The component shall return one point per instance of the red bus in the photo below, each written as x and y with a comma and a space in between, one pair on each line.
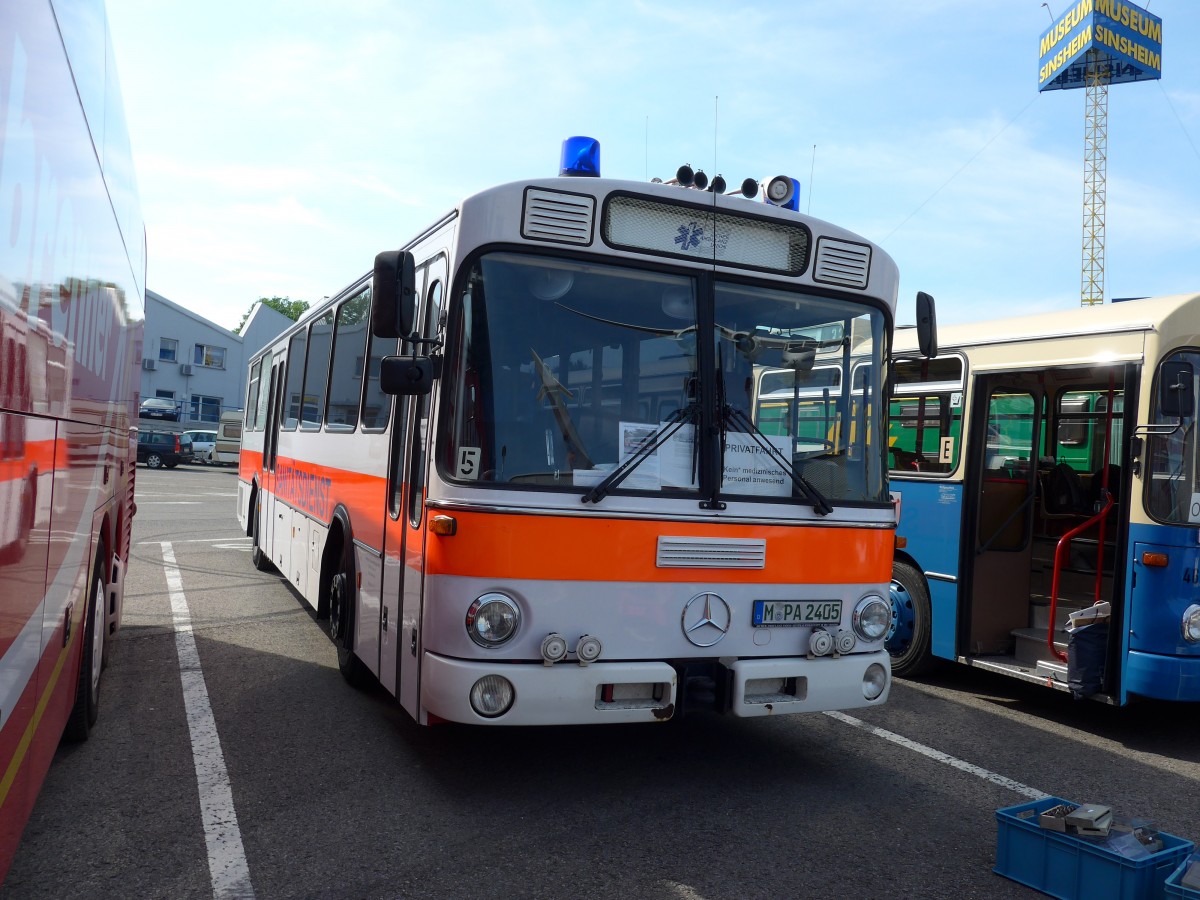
72, 288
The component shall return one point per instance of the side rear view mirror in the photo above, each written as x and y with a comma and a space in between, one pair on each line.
926, 325
406, 376
394, 295
1176, 389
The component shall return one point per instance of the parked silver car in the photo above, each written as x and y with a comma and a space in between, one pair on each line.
203, 443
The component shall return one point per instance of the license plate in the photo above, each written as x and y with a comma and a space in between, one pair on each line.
797, 612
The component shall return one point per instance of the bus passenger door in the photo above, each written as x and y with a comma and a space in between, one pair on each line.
1006, 428
267, 502
404, 543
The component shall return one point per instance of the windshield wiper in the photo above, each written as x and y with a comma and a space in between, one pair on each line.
731, 414
649, 445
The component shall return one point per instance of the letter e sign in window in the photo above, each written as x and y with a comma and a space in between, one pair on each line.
946, 454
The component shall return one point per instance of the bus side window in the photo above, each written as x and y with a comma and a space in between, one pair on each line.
294, 384
347, 366
925, 433
316, 372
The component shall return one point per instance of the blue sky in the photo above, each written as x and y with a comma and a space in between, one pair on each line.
280, 145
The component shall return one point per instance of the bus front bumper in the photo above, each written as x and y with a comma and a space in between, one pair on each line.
570, 694
1160, 677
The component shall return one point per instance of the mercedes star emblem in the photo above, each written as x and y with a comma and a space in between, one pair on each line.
706, 619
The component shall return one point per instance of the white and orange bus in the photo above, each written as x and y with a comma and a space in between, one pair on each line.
518, 469
72, 269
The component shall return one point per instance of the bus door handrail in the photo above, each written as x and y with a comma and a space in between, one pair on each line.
1063, 543
1101, 517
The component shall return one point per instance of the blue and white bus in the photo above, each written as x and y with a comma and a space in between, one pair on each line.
1049, 490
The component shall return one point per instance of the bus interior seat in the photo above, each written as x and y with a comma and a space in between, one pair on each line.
1063, 493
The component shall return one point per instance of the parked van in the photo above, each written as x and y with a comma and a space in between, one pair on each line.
229, 439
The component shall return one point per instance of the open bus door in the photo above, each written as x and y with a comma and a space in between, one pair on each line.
1006, 425
1046, 517
264, 507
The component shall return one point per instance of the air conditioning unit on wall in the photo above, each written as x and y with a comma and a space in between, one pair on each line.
185, 369
149, 364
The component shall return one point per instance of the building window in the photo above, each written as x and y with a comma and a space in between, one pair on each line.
205, 409
214, 357
168, 349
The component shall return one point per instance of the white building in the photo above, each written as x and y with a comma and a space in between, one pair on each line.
198, 364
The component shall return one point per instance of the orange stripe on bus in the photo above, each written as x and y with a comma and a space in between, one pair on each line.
317, 490
570, 548
562, 548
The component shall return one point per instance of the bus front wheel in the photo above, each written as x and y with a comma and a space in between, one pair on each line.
341, 625
909, 636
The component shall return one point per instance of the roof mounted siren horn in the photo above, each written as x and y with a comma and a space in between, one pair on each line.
750, 188
580, 158
784, 192
684, 176
717, 185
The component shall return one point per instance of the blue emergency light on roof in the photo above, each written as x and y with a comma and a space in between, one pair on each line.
580, 157
784, 192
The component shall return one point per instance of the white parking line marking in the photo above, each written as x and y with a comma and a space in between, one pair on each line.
939, 756
227, 865
198, 541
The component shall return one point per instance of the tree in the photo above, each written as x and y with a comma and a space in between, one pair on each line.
293, 309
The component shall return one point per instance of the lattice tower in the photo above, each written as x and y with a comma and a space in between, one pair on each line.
1095, 159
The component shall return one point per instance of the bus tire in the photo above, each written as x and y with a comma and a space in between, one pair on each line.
908, 638
256, 552
341, 623
87, 691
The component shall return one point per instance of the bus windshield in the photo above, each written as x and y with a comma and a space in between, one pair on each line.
1174, 478
561, 370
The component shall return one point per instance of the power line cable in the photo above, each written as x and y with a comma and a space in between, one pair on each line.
1175, 113
974, 156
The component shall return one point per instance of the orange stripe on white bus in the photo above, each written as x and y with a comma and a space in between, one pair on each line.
566, 548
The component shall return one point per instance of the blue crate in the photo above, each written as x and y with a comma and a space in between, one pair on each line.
1073, 868
1175, 889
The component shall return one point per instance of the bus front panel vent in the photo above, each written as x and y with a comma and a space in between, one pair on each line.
842, 263
558, 216
704, 553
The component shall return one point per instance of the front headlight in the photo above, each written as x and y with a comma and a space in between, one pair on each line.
492, 620
1191, 624
872, 617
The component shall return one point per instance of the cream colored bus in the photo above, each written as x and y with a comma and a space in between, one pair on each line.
1049, 481
228, 446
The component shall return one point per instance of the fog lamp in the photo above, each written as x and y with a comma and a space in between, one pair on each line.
492, 696
874, 681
